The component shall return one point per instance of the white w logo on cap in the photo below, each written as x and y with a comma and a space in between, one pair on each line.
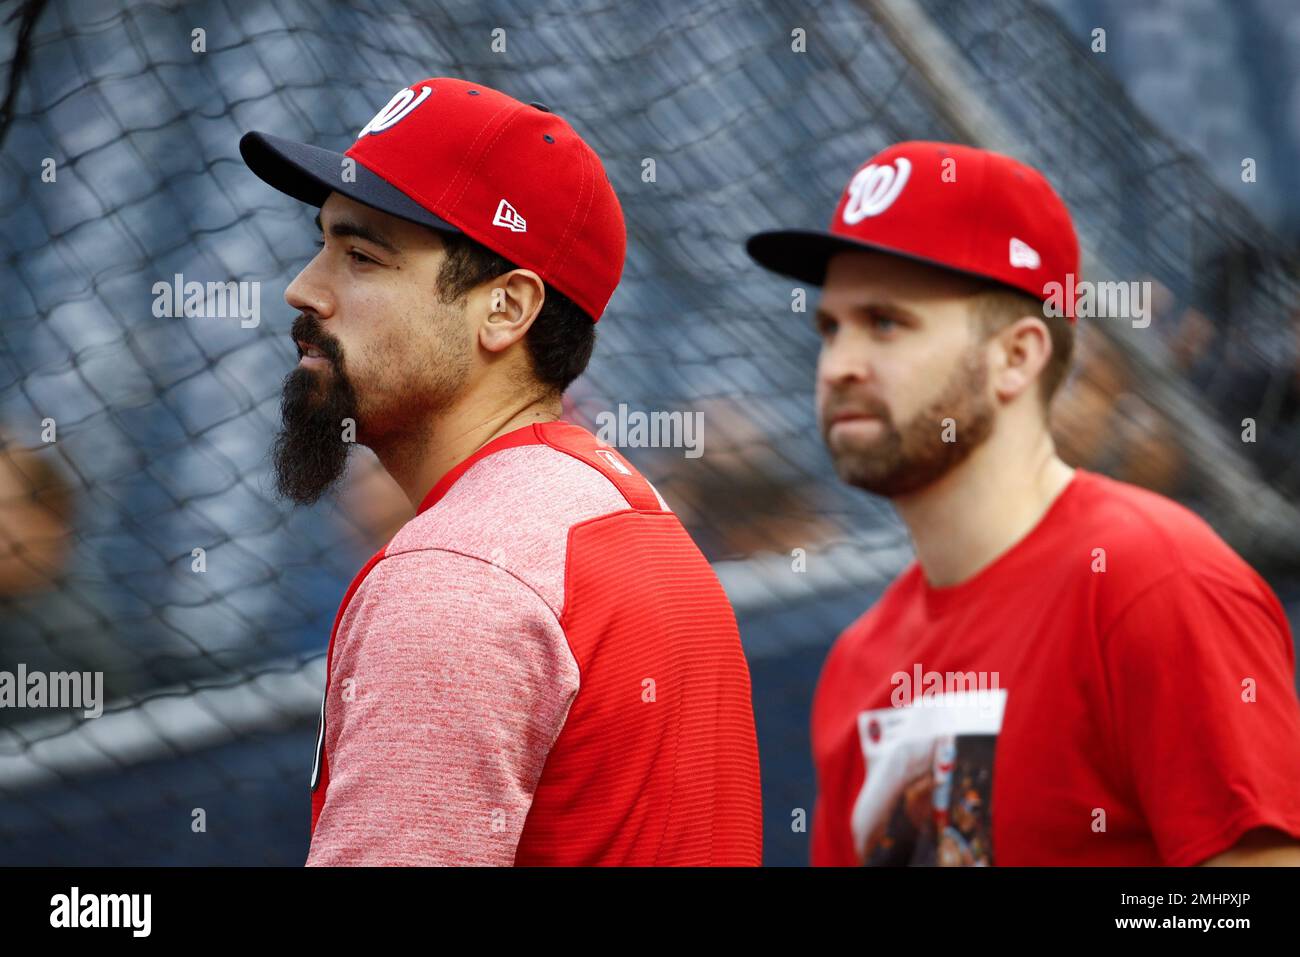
402, 103
874, 189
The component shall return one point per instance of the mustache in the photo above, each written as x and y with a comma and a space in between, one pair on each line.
847, 404
307, 330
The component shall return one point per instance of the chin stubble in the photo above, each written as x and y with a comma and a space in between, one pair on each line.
909, 458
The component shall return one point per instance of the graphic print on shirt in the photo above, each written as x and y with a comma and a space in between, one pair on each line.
926, 798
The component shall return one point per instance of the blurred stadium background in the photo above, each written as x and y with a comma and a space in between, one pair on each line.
213, 679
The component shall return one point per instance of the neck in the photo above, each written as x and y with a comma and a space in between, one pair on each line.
975, 513
418, 458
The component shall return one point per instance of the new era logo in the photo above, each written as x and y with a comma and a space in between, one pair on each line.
509, 217
1024, 256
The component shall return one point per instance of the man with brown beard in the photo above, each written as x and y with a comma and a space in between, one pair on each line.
1135, 675
540, 667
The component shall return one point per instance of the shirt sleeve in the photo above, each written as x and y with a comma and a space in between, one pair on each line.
449, 683
1201, 672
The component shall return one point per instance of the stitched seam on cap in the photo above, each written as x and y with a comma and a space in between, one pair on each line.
411, 193
590, 182
484, 154
461, 170
977, 235
560, 251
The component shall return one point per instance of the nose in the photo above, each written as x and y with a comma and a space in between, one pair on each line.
310, 291
845, 359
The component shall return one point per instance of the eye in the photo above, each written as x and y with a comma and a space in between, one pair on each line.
883, 323
356, 256
826, 326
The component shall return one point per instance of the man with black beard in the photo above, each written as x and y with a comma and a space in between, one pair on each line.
1132, 675
540, 667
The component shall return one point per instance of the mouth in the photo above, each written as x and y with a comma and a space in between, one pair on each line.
312, 357
848, 425
853, 417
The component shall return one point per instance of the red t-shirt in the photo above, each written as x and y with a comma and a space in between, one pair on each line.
1115, 689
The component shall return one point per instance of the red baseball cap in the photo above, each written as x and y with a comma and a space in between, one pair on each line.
957, 207
462, 157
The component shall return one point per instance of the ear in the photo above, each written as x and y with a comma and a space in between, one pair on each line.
507, 306
1022, 350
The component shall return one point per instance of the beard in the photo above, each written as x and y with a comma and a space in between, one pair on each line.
309, 454
908, 458
392, 417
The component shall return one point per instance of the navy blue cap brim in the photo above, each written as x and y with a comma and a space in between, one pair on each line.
309, 174
804, 254
801, 254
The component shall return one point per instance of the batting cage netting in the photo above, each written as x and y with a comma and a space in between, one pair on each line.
142, 540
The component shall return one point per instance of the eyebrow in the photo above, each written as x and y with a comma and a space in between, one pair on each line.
871, 309
350, 227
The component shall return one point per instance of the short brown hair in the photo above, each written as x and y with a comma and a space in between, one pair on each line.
995, 307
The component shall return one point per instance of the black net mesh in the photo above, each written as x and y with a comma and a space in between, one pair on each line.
131, 440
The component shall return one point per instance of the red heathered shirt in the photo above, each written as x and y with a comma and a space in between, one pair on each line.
539, 668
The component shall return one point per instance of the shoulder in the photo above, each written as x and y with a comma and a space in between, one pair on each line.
1137, 541
1155, 558
428, 618
511, 511
902, 592
881, 615
1140, 522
